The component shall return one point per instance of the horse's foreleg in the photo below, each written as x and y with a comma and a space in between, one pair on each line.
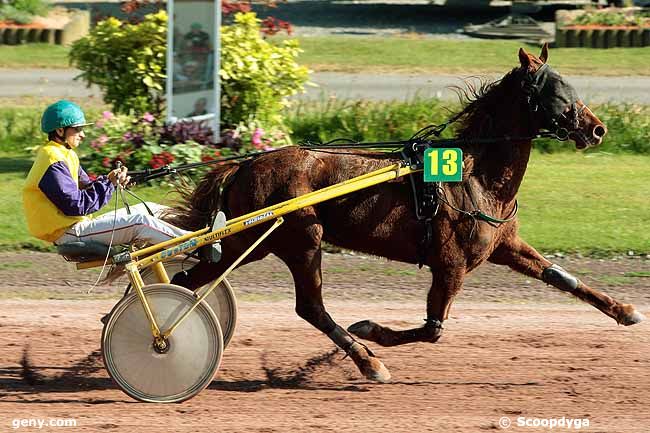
444, 288
523, 258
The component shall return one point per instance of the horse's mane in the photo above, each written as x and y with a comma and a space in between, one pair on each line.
479, 99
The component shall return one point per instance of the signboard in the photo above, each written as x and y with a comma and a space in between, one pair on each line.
443, 165
193, 60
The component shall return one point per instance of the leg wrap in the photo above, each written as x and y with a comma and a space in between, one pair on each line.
433, 329
341, 338
433, 323
558, 277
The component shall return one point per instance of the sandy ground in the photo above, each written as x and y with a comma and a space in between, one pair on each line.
512, 348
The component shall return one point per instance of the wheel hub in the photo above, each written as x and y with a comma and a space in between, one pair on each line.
161, 345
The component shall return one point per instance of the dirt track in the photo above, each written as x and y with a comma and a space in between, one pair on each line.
536, 353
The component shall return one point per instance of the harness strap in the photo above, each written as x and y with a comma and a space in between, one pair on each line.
485, 217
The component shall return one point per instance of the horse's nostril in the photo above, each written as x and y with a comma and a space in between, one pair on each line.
599, 131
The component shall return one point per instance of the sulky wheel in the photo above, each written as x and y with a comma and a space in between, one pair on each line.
222, 299
169, 374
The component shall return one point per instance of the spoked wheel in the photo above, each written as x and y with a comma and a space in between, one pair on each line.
175, 371
222, 299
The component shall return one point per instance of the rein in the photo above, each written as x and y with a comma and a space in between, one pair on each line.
415, 143
419, 142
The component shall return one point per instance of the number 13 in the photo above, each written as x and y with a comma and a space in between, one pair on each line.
449, 167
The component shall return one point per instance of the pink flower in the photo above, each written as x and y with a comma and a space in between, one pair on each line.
257, 137
107, 115
99, 124
103, 139
148, 117
127, 136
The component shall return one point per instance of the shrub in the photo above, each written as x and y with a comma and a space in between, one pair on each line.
20, 128
127, 61
256, 76
629, 124
364, 120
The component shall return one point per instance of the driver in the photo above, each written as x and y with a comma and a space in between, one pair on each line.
59, 198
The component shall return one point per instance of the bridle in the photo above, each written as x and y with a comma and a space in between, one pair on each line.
547, 92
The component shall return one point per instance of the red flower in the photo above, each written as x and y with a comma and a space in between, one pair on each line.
206, 158
161, 159
156, 162
167, 157
106, 162
272, 25
228, 8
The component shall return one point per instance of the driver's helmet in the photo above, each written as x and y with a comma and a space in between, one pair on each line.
62, 114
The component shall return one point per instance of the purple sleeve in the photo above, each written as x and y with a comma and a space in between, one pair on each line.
58, 186
84, 180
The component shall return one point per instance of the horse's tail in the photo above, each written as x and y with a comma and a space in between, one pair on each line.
197, 206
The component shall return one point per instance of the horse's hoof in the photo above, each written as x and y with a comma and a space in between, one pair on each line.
632, 319
376, 371
364, 329
370, 366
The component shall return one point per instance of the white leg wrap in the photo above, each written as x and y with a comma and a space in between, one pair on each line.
556, 276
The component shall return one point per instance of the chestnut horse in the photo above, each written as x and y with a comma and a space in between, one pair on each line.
381, 220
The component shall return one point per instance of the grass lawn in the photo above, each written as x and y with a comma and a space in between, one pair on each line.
400, 54
34, 56
594, 203
570, 202
351, 54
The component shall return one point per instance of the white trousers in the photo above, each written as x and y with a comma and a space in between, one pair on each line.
138, 226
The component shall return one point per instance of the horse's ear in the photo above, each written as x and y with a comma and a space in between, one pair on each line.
524, 58
544, 56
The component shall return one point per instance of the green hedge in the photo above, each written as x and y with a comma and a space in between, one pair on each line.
629, 125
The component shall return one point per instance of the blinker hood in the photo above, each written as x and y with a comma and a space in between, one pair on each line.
551, 92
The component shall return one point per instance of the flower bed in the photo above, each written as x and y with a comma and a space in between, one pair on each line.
145, 142
606, 28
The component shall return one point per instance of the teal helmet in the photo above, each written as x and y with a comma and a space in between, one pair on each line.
62, 114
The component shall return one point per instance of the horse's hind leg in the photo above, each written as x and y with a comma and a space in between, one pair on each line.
523, 258
303, 257
444, 287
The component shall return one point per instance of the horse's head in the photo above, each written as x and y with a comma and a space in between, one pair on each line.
554, 103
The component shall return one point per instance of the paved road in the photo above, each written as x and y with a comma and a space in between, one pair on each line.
60, 83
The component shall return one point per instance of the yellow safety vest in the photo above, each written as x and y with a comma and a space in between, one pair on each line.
44, 220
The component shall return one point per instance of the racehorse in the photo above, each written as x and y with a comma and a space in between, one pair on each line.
381, 220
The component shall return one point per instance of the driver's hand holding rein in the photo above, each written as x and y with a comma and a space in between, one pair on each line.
59, 198
119, 177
